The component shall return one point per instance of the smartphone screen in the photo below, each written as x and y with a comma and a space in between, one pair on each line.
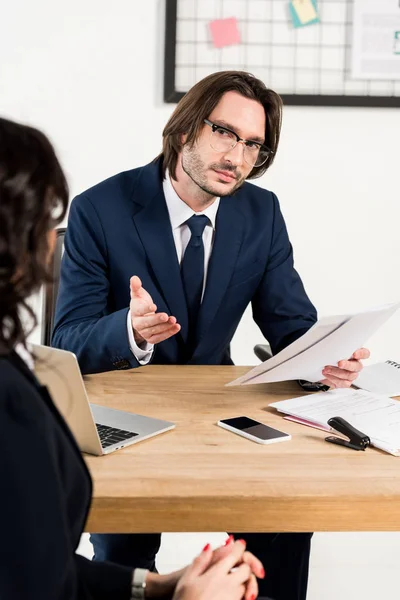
255, 428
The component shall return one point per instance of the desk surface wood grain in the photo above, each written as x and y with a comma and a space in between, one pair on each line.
200, 477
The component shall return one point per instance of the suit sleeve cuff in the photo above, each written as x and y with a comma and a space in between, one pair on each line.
142, 353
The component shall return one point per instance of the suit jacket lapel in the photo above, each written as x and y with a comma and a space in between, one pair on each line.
154, 229
226, 247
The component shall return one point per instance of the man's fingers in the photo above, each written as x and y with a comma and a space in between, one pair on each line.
361, 354
338, 378
353, 363
140, 308
154, 327
149, 320
339, 373
157, 330
350, 365
335, 382
138, 293
156, 339
136, 284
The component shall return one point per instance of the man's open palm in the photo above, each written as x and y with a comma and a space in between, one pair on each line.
147, 324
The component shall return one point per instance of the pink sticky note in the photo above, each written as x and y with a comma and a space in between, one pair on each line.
224, 32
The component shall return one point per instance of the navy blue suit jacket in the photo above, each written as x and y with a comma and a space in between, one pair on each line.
121, 228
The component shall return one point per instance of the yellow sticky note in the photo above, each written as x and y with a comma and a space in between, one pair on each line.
305, 10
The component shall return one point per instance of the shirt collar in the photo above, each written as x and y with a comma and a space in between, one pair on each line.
179, 211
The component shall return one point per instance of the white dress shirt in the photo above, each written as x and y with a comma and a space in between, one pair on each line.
179, 212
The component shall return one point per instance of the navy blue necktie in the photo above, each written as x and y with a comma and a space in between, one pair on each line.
192, 269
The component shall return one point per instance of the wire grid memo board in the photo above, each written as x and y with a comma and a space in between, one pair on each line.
307, 66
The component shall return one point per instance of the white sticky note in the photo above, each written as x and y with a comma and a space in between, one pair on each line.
305, 10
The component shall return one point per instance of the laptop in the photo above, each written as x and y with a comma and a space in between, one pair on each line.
97, 429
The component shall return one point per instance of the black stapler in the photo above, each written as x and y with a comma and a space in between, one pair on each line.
357, 439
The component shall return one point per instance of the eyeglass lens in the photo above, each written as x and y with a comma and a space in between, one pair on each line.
222, 141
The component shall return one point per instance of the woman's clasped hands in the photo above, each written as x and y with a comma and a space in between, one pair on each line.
227, 573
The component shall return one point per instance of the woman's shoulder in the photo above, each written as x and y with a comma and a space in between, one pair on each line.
18, 395
10, 375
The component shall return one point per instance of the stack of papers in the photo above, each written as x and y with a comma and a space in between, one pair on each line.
375, 415
328, 341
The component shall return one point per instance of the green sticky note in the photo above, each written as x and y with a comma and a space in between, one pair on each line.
303, 12
396, 49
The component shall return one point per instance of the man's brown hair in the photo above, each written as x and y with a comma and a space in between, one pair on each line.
199, 102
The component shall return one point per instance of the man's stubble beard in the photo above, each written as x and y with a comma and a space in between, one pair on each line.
194, 168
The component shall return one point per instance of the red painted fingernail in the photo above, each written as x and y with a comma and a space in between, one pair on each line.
242, 542
262, 573
206, 547
229, 540
252, 597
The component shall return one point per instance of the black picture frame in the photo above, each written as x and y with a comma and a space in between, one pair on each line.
171, 95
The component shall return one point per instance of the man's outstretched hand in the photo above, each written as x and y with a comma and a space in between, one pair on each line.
149, 325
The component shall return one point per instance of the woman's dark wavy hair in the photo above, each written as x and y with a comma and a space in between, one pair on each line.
33, 199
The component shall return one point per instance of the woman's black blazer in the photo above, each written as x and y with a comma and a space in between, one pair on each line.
45, 494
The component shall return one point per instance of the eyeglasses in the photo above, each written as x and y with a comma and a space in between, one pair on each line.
224, 140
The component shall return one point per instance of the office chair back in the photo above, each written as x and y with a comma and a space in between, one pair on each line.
50, 291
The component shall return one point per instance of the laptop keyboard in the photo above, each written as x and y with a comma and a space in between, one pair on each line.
110, 435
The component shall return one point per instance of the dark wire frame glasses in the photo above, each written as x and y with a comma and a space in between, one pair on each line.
224, 140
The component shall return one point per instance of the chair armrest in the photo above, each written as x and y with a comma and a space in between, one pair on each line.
263, 351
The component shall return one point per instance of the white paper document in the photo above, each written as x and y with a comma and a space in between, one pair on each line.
375, 415
329, 340
382, 378
376, 39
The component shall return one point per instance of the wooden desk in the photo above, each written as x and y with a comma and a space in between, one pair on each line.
200, 477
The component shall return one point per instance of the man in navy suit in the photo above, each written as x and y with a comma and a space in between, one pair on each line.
160, 263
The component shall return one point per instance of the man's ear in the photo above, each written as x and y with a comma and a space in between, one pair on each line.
183, 138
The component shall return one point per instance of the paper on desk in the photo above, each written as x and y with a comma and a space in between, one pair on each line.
375, 415
382, 378
329, 340
307, 423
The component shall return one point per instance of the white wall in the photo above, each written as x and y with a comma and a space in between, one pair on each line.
90, 74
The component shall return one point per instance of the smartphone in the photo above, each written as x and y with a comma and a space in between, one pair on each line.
254, 430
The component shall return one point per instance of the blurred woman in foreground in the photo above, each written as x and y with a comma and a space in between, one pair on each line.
46, 487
